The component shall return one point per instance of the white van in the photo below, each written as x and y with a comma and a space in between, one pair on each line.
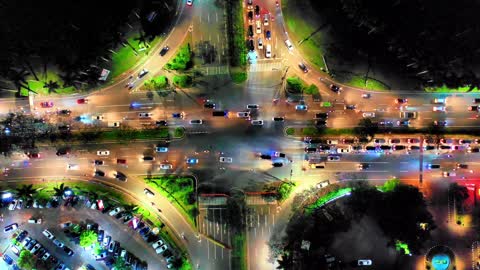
268, 51
289, 45
113, 124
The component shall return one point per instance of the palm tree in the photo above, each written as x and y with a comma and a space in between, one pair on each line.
52, 86
18, 78
60, 190
142, 39
130, 209
26, 192
286, 262
69, 78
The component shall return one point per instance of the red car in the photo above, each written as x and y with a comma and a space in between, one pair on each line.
121, 161
46, 104
82, 101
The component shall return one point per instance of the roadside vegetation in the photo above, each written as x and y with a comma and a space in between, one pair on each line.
237, 49
239, 251
179, 190
446, 89
182, 60
296, 85
368, 83
182, 81
156, 83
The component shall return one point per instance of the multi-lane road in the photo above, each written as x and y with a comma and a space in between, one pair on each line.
236, 137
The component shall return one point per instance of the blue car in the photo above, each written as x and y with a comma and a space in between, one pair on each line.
161, 149
178, 115
301, 107
192, 160
7, 259
144, 231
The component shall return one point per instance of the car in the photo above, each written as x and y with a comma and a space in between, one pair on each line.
142, 73
161, 149
7, 259
251, 45
448, 174
268, 35
192, 161
21, 236
30, 244
250, 17
98, 117
440, 123
265, 19
322, 115
157, 244
58, 243
264, 156
370, 148
161, 123
257, 11
413, 147
223, 113
115, 211
161, 249
333, 158
148, 158
82, 101
164, 50
364, 262
250, 31
48, 234
243, 114
310, 149
253, 106
385, 123
277, 164
401, 100
473, 150
366, 95
61, 266
335, 88
121, 161
350, 107
399, 147
46, 256
363, 166
403, 123
257, 122
258, 28
341, 150
368, 114
445, 147
166, 166
196, 122
100, 235
189, 2
10, 228
64, 112
226, 160
413, 140
408, 115
278, 119
15, 250
385, 147
106, 240
36, 248
473, 108
33, 155
439, 101
394, 141
301, 107
433, 166
35, 221
98, 162
321, 123
439, 108
303, 67
99, 173
73, 167
289, 44
148, 192
465, 141
103, 153
68, 251
145, 115
120, 176
462, 166
46, 104
62, 152
260, 43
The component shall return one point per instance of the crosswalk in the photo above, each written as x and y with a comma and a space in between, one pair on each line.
265, 66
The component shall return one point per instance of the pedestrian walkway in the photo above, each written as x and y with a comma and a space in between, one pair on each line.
265, 66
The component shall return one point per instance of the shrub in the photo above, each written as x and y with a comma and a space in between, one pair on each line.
182, 80
182, 60
295, 84
290, 131
156, 83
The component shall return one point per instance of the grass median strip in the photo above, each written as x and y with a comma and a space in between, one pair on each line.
239, 252
179, 190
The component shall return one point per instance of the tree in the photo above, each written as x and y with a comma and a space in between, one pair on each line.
26, 192
60, 190
366, 129
157, 83
52, 86
88, 238
26, 260
182, 60
460, 195
284, 190
120, 264
130, 209
182, 80
19, 79
286, 261
142, 39
295, 85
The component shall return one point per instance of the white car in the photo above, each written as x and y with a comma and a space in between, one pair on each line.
368, 114
161, 249
289, 45
10, 228
344, 150
226, 160
166, 166
98, 117
145, 115
115, 211
439, 101
449, 174
253, 106
259, 27
157, 244
243, 114
257, 122
260, 44
196, 122
333, 158
364, 262
58, 243
46, 256
189, 2
148, 192
48, 234
103, 153
12, 205
73, 167
439, 108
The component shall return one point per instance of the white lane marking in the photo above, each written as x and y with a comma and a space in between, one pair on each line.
208, 17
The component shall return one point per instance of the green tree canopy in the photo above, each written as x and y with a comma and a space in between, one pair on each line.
26, 260
87, 238
157, 83
182, 60
295, 84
